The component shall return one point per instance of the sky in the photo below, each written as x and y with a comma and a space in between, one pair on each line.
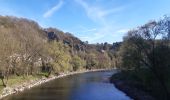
95, 21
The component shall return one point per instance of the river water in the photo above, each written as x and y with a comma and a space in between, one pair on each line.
86, 86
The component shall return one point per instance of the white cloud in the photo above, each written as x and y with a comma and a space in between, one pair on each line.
89, 30
96, 13
85, 30
122, 31
51, 11
100, 15
92, 38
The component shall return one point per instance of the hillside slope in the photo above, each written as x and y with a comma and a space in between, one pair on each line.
28, 49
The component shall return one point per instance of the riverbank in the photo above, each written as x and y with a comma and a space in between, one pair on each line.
32, 83
131, 88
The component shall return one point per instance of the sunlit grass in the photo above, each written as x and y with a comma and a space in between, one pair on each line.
18, 80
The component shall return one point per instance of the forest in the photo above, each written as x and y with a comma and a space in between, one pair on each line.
28, 49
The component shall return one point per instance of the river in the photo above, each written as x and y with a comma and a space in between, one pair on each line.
86, 86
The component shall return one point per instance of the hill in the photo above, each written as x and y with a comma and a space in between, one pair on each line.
28, 49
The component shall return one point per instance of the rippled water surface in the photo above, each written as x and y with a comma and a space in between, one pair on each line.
87, 86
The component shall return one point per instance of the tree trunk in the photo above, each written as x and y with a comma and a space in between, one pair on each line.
3, 83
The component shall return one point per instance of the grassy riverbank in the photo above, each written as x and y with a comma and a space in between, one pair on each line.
14, 81
18, 84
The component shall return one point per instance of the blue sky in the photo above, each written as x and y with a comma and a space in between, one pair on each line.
95, 21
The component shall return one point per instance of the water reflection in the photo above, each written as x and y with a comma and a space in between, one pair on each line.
88, 86
97, 91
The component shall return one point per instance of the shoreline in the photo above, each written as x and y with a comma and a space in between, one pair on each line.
7, 91
128, 87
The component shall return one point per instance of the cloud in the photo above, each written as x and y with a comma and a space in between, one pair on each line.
100, 16
51, 11
89, 30
93, 38
85, 30
97, 13
122, 31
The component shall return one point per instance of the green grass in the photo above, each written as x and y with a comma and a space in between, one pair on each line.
20, 79
43, 74
17, 80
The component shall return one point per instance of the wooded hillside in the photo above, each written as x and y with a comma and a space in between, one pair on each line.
28, 49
